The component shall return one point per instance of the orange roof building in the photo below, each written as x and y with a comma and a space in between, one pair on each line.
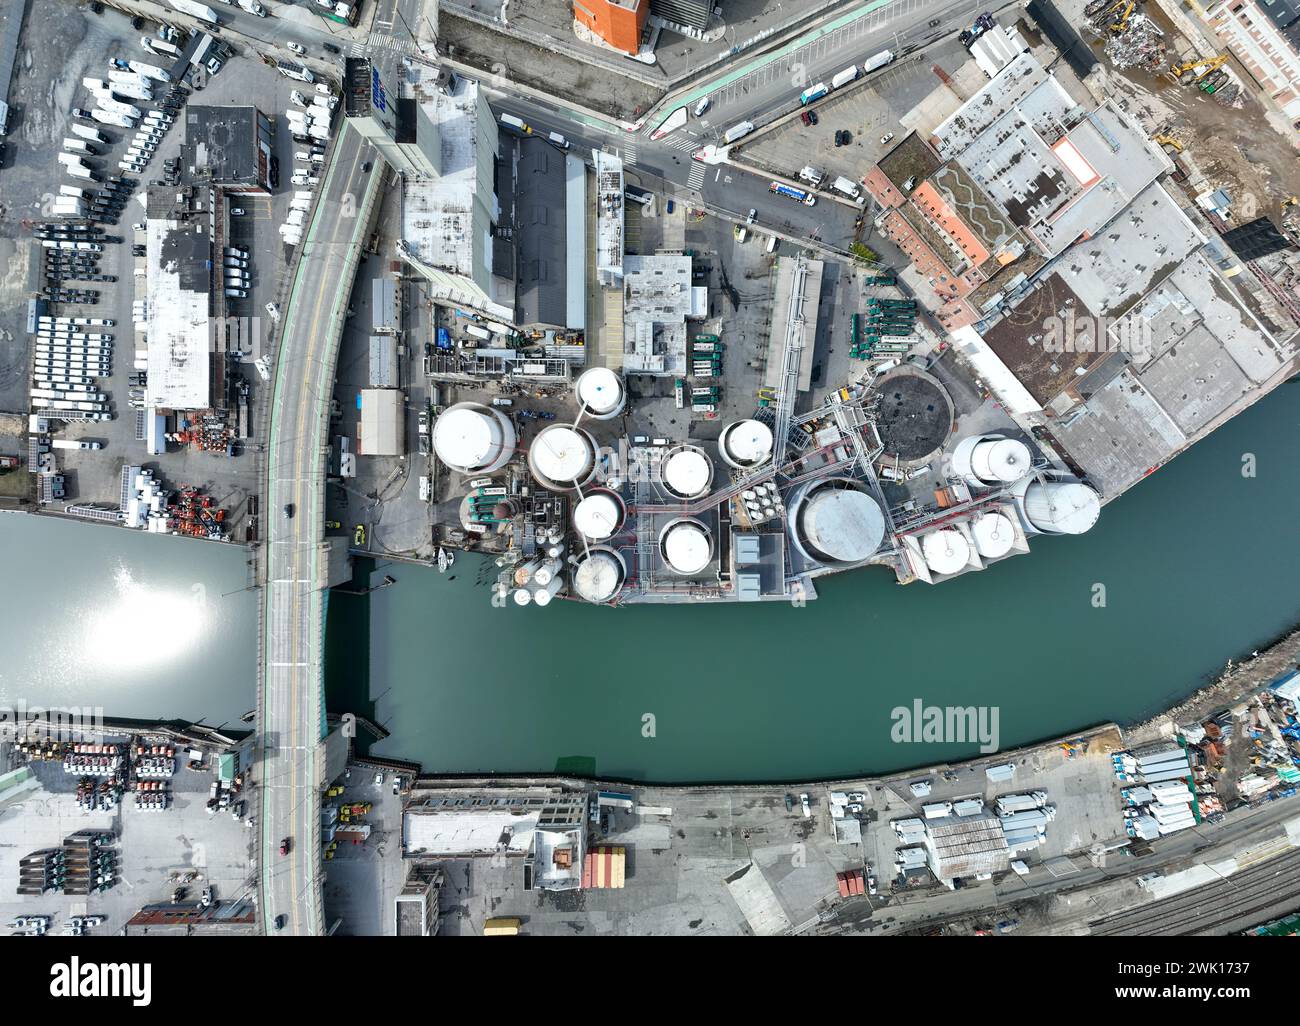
617, 23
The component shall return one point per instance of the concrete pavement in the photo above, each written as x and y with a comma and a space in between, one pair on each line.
291, 702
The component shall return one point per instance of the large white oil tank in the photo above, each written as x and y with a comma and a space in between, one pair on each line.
686, 546
562, 457
746, 444
946, 551
473, 439
602, 392
599, 576
994, 535
687, 472
1061, 507
991, 459
599, 515
837, 523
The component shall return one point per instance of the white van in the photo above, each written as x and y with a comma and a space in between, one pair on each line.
559, 140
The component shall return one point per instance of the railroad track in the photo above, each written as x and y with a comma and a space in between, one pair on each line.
1202, 909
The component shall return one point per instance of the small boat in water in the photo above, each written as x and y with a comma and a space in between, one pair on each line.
445, 559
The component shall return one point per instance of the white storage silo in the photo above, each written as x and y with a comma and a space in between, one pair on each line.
686, 472
994, 535
547, 572
745, 444
602, 392
991, 460
599, 576
562, 457
946, 551
473, 439
836, 522
1061, 507
543, 594
523, 596
599, 515
686, 546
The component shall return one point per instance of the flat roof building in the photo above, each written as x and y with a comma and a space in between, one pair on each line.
231, 145
551, 222
658, 299
448, 217
617, 24
383, 422
179, 248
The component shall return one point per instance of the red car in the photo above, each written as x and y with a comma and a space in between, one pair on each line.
284, 846
803, 116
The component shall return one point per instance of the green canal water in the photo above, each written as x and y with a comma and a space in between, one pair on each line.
1200, 564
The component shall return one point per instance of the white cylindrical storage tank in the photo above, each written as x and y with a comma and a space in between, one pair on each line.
991, 460
745, 444
524, 571
946, 551
994, 535
562, 457
543, 594
686, 472
837, 523
600, 575
547, 572
599, 515
523, 596
602, 392
686, 546
473, 439
1000, 460
1061, 507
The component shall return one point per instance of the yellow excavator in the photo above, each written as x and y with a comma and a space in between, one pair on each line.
1120, 24
1170, 141
1201, 66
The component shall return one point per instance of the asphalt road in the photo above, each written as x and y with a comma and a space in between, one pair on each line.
291, 714
758, 90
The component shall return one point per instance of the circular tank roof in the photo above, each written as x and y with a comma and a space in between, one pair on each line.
523, 596
561, 454
1006, 460
597, 516
748, 442
994, 535
687, 472
600, 389
598, 577
1064, 507
465, 437
946, 551
843, 524
686, 547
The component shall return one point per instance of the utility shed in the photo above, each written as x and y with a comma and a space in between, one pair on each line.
383, 361
382, 422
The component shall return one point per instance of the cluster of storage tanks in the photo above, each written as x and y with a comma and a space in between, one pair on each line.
833, 522
1038, 504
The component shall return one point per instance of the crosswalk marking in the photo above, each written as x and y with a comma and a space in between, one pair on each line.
629, 153
696, 180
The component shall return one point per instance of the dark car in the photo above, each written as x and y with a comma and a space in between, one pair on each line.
330, 48
365, 168
812, 116
288, 515
284, 845
275, 172
280, 920
934, 22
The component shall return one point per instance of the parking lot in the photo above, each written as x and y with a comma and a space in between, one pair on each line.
43, 97
154, 850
